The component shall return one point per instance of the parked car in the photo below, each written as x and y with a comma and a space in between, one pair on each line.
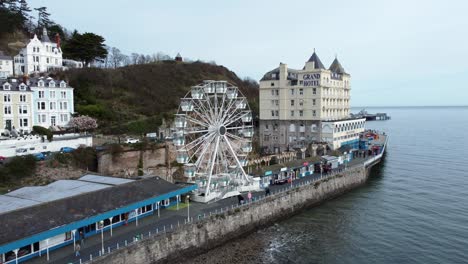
39, 156
66, 150
2, 159
132, 140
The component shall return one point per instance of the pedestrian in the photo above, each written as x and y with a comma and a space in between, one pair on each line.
77, 250
82, 238
267, 191
240, 199
249, 196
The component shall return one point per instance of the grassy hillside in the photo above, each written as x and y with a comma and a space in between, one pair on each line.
134, 99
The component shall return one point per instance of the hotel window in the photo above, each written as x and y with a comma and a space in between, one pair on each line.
56, 61
6, 87
37, 50
47, 60
23, 122
272, 84
41, 106
52, 84
63, 84
63, 106
272, 92
292, 102
314, 113
272, 102
277, 113
52, 94
313, 101
301, 91
63, 94
41, 94
277, 102
314, 91
23, 109
22, 98
272, 113
301, 102
292, 113
7, 98
53, 105
266, 138
42, 118
22, 87
292, 91
277, 92
301, 113
7, 110
64, 118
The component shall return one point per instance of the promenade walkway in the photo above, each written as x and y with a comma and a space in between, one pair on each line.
168, 220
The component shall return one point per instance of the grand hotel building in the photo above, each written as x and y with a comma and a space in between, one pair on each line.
298, 107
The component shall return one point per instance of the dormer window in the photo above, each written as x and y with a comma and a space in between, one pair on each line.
40, 83
22, 87
52, 84
63, 84
6, 86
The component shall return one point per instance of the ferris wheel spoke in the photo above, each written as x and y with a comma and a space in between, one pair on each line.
195, 121
229, 110
235, 118
235, 137
221, 109
201, 148
231, 128
234, 154
205, 147
204, 117
213, 160
197, 141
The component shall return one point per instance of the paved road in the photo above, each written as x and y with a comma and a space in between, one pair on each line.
169, 219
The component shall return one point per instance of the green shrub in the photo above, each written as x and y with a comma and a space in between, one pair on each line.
63, 158
18, 168
43, 132
85, 158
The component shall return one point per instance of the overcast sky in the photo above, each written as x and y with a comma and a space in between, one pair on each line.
397, 52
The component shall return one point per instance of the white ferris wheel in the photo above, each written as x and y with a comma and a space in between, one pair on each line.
213, 136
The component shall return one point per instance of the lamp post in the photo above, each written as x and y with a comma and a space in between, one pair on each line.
101, 225
188, 208
158, 203
110, 220
177, 201
16, 255
74, 239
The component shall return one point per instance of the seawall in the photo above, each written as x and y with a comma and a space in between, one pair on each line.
192, 239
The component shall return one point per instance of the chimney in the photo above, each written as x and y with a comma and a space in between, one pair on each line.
57, 40
283, 71
25, 79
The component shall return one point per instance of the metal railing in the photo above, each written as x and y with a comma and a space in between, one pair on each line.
158, 232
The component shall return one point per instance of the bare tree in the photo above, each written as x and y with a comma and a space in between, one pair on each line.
134, 58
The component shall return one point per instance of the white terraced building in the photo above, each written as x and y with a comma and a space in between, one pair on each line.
296, 106
39, 55
6, 66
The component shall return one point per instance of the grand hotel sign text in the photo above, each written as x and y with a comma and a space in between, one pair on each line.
311, 79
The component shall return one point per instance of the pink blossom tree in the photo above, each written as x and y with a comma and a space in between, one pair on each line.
83, 123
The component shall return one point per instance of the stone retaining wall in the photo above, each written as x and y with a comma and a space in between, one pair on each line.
199, 237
